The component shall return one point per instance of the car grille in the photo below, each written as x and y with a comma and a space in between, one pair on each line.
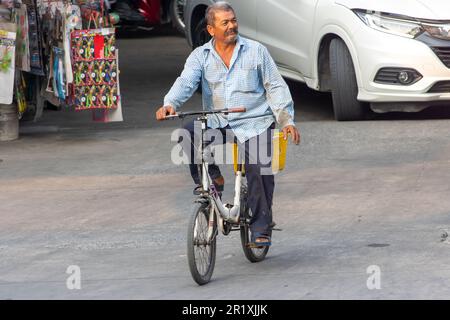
444, 54
440, 87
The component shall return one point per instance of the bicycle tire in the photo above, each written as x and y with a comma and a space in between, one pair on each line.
196, 238
252, 254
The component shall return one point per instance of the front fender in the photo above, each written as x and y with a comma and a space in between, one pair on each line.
340, 32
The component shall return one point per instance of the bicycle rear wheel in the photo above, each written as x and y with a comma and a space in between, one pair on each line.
252, 254
201, 252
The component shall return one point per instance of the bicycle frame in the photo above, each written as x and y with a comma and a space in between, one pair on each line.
218, 208
201, 249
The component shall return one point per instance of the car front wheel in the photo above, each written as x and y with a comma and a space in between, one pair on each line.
344, 87
200, 35
176, 14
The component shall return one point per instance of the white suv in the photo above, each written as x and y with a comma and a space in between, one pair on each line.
391, 55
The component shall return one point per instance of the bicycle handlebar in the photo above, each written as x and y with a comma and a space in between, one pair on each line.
237, 110
195, 113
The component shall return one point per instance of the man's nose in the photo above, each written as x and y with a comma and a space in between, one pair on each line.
232, 25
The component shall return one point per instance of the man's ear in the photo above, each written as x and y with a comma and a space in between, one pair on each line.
210, 30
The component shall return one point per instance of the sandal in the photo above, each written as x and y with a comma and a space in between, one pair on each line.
260, 242
218, 183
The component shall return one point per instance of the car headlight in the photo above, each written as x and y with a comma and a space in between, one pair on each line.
438, 31
390, 24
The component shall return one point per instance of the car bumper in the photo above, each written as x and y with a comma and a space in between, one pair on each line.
390, 51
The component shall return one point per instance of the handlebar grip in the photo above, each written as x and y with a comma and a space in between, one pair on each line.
237, 110
171, 116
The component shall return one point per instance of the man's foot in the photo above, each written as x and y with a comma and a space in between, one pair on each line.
260, 242
218, 183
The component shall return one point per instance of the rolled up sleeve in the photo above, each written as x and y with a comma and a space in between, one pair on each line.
187, 83
277, 91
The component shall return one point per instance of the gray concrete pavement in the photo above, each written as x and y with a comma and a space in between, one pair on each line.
107, 198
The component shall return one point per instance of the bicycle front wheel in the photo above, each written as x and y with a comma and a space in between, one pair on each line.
252, 254
201, 251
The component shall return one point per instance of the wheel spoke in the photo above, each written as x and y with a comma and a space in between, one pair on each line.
202, 250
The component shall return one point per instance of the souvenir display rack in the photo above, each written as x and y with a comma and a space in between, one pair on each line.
63, 54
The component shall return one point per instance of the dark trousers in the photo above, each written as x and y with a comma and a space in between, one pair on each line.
260, 183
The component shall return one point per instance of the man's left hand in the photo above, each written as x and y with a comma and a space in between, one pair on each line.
292, 130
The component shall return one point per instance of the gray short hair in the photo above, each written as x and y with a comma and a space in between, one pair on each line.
212, 9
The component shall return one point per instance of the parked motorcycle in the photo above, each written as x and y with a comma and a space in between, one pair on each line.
146, 14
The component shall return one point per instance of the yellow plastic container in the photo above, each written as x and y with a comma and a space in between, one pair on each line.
279, 150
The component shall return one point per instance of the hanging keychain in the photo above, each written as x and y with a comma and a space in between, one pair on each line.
88, 97
109, 47
86, 73
78, 74
100, 96
106, 73
80, 97
113, 73
81, 45
100, 67
114, 97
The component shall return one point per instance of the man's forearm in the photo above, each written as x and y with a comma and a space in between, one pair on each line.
186, 84
180, 92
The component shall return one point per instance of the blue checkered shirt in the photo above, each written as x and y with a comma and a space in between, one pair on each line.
252, 81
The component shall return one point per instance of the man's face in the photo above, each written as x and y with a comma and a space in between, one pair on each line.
225, 27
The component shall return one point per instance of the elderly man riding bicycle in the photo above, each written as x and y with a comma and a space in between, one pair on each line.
235, 71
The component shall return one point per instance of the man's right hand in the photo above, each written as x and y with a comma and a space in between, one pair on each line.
165, 111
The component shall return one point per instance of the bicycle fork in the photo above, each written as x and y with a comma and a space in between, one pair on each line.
211, 229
